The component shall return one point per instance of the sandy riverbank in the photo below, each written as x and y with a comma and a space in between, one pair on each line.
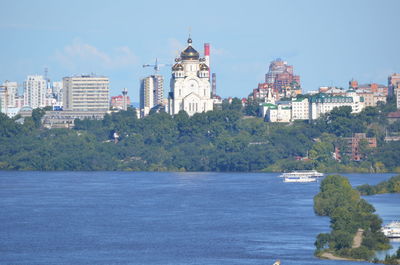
328, 255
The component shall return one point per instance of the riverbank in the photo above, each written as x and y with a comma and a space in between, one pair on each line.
357, 240
330, 256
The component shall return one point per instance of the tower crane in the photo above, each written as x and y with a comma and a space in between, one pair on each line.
156, 66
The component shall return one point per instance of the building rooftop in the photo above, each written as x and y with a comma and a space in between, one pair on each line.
325, 98
86, 76
298, 99
395, 114
369, 85
268, 105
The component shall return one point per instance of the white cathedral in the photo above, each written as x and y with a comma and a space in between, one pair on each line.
190, 84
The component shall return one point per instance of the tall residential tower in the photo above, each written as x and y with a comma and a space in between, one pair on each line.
35, 91
151, 93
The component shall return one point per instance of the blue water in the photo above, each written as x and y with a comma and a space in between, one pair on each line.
164, 218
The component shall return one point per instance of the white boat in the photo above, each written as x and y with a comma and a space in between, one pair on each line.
392, 230
302, 173
299, 179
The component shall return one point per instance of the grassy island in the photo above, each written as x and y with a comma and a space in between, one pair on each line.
355, 231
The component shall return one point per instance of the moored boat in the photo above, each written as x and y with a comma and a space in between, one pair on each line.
302, 173
302, 179
392, 230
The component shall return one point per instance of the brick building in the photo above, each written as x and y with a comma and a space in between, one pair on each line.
353, 146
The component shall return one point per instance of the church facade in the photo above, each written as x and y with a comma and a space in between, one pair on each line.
190, 84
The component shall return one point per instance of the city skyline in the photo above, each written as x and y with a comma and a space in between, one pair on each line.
327, 43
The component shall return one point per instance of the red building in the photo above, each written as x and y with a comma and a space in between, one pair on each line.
117, 102
372, 88
353, 146
281, 76
279, 80
261, 92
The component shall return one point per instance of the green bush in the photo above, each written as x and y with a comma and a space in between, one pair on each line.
361, 253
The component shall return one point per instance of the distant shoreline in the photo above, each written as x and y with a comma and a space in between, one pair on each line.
186, 171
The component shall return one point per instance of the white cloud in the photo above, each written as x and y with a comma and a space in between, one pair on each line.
86, 57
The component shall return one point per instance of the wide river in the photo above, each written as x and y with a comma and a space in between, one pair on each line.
165, 218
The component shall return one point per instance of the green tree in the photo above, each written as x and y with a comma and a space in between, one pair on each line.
322, 241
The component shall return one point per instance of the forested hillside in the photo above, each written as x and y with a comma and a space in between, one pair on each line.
223, 140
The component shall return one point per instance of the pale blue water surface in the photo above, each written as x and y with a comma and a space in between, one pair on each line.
164, 218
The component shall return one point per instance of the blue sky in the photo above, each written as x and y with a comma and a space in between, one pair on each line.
327, 42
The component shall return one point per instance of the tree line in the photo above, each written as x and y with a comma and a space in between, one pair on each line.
390, 186
230, 139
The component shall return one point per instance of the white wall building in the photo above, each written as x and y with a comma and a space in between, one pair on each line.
9, 104
151, 93
86, 93
322, 103
300, 109
11, 90
190, 84
313, 108
35, 91
264, 108
279, 113
13, 111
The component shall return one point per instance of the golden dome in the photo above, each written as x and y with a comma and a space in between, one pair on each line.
190, 53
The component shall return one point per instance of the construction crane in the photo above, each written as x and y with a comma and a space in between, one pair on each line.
156, 66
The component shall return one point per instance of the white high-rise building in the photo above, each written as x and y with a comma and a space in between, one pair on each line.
35, 90
86, 93
12, 93
151, 93
57, 90
158, 89
190, 84
146, 95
